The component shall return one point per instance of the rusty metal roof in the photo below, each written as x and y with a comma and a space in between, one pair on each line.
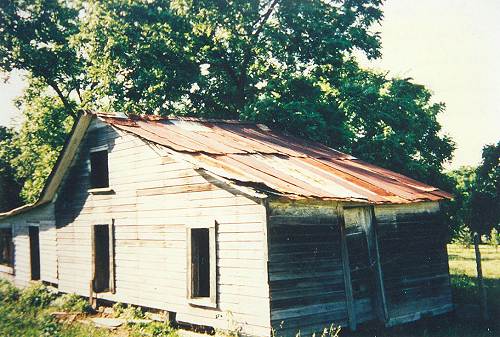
252, 153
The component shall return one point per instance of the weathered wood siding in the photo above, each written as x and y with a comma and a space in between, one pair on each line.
155, 197
414, 261
42, 216
362, 263
305, 268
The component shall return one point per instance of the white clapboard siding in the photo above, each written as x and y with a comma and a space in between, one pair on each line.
155, 198
42, 216
48, 251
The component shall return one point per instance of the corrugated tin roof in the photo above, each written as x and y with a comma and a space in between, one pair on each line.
253, 153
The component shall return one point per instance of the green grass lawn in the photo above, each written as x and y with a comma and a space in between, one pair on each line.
463, 276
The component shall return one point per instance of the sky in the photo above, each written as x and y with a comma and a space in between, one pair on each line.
450, 46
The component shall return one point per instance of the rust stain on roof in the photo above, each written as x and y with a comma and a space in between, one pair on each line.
252, 153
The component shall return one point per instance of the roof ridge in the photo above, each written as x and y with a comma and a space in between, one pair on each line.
152, 118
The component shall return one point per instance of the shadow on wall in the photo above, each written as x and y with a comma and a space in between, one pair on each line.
74, 195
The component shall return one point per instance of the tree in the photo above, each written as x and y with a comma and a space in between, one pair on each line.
9, 186
485, 207
205, 58
477, 205
40, 139
285, 63
485, 197
388, 121
35, 37
282, 63
459, 209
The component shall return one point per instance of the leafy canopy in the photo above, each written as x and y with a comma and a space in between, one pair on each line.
285, 63
477, 194
39, 141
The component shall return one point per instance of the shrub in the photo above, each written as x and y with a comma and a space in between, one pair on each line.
49, 327
130, 312
155, 329
8, 293
463, 236
494, 238
37, 295
72, 303
118, 309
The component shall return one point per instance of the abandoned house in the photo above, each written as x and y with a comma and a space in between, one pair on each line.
231, 225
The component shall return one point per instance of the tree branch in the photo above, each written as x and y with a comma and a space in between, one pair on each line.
79, 95
263, 19
63, 98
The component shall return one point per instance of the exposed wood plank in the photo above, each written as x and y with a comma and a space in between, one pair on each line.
347, 278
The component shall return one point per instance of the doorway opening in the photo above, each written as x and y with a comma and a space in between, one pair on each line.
101, 258
34, 236
200, 255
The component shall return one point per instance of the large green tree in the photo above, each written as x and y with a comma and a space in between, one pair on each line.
35, 37
285, 63
39, 140
485, 197
477, 194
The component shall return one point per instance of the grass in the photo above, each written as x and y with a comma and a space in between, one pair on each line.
27, 313
463, 276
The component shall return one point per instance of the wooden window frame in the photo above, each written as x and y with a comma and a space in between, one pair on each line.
105, 189
210, 301
9, 268
111, 237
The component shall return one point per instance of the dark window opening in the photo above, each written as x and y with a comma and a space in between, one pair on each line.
6, 247
34, 235
200, 262
99, 174
101, 258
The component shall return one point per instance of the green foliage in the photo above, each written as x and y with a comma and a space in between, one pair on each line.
37, 295
72, 303
19, 319
477, 195
9, 186
485, 198
206, 57
39, 141
494, 238
284, 63
128, 312
118, 309
154, 329
8, 293
387, 121
36, 38
463, 236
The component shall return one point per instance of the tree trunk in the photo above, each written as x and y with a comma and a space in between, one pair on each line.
482, 289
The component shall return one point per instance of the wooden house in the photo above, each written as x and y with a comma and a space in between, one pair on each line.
231, 225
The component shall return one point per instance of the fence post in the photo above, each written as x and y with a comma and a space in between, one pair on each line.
482, 289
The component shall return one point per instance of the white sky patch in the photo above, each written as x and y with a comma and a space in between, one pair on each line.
194, 88
261, 84
204, 69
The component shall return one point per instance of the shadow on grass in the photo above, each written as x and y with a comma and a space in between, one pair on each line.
458, 257
465, 292
441, 326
